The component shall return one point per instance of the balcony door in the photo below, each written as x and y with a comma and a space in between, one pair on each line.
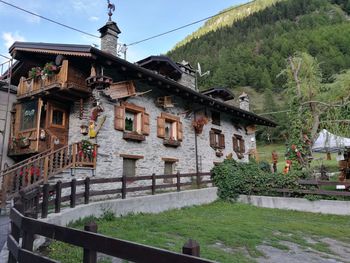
57, 121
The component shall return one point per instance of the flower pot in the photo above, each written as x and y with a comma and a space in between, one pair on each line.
24, 142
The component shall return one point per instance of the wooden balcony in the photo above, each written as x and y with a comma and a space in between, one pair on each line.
68, 79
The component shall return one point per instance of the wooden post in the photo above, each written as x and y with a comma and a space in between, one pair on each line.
15, 231
198, 179
45, 204
87, 190
153, 184
74, 153
192, 248
123, 187
178, 186
73, 190
46, 169
58, 189
27, 241
90, 256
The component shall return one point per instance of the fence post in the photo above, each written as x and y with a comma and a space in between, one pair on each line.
123, 187
73, 190
178, 186
198, 179
153, 184
192, 248
46, 169
58, 197
15, 231
90, 256
45, 204
36, 205
87, 190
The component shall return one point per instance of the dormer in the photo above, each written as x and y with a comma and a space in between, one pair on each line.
219, 93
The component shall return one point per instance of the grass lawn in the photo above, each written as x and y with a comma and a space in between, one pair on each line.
227, 232
265, 150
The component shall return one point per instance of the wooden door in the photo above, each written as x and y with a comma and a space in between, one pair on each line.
57, 122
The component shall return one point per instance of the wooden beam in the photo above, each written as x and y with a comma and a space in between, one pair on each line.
130, 156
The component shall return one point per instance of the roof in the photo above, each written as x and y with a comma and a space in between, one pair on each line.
141, 73
219, 92
163, 65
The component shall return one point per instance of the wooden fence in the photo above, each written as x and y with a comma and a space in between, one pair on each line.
37, 201
90, 242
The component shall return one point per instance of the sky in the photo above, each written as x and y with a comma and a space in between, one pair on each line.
136, 19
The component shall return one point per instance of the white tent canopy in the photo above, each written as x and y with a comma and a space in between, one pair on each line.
328, 142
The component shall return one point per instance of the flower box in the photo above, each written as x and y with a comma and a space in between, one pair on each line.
131, 136
171, 143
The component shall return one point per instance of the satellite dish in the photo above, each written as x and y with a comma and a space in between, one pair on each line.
59, 59
199, 70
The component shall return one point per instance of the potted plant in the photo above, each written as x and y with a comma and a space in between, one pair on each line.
23, 141
199, 123
48, 70
35, 72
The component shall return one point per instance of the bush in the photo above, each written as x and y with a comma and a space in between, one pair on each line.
233, 178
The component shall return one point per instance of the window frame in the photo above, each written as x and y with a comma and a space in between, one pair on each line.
217, 119
238, 144
34, 126
54, 108
176, 131
216, 139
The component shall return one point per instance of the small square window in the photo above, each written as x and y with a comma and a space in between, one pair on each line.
29, 110
129, 167
57, 117
215, 116
133, 121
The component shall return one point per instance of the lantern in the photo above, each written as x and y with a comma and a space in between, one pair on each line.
84, 129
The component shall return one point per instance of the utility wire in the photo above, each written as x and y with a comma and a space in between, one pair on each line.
48, 19
4, 55
190, 24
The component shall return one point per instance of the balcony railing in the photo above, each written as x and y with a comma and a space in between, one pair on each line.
66, 78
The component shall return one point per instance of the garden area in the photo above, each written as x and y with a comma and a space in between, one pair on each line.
227, 232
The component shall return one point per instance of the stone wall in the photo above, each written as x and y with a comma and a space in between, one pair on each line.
112, 145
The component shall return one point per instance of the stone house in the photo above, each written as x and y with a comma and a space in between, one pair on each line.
146, 117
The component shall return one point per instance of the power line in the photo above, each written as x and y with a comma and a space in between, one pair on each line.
190, 24
48, 19
4, 56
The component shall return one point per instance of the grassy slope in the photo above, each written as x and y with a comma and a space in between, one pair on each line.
237, 226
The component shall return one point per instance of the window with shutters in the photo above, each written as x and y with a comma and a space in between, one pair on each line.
129, 167
169, 127
238, 145
132, 120
217, 139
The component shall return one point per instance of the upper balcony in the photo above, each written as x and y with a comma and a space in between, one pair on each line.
55, 81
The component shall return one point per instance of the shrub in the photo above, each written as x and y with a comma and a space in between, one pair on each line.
233, 178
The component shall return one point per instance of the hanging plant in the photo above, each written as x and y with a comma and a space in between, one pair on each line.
199, 123
87, 149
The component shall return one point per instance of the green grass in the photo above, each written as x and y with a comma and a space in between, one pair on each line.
265, 150
238, 228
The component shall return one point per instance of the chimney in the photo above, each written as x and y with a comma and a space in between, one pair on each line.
109, 37
244, 101
188, 76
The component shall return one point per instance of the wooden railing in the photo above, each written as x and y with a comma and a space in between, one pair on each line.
36, 171
65, 77
36, 202
88, 241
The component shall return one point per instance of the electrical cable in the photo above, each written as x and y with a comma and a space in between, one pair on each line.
48, 19
4, 55
190, 24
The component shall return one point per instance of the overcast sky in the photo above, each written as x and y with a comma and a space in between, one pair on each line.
136, 19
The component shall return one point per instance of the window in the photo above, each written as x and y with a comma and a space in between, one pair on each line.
28, 115
169, 127
131, 118
129, 167
238, 145
57, 117
215, 116
217, 139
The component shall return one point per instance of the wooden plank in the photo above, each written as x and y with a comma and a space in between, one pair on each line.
105, 192
106, 180
87, 190
73, 193
58, 199
45, 203
111, 246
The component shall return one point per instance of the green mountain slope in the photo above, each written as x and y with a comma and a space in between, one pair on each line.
252, 51
228, 17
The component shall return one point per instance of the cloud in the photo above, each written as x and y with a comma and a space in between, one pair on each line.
9, 38
94, 18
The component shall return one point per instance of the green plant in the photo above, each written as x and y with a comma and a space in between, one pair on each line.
49, 69
35, 72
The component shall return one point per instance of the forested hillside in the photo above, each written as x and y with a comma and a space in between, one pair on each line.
253, 50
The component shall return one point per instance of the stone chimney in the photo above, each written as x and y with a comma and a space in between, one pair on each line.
109, 37
188, 76
244, 101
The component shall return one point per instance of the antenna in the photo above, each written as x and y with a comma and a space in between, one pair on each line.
122, 49
199, 71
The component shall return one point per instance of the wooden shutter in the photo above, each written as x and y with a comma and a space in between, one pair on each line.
235, 143
145, 124
222, 141
212, 138
242, 146
179, 131
160, 127
119, 118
